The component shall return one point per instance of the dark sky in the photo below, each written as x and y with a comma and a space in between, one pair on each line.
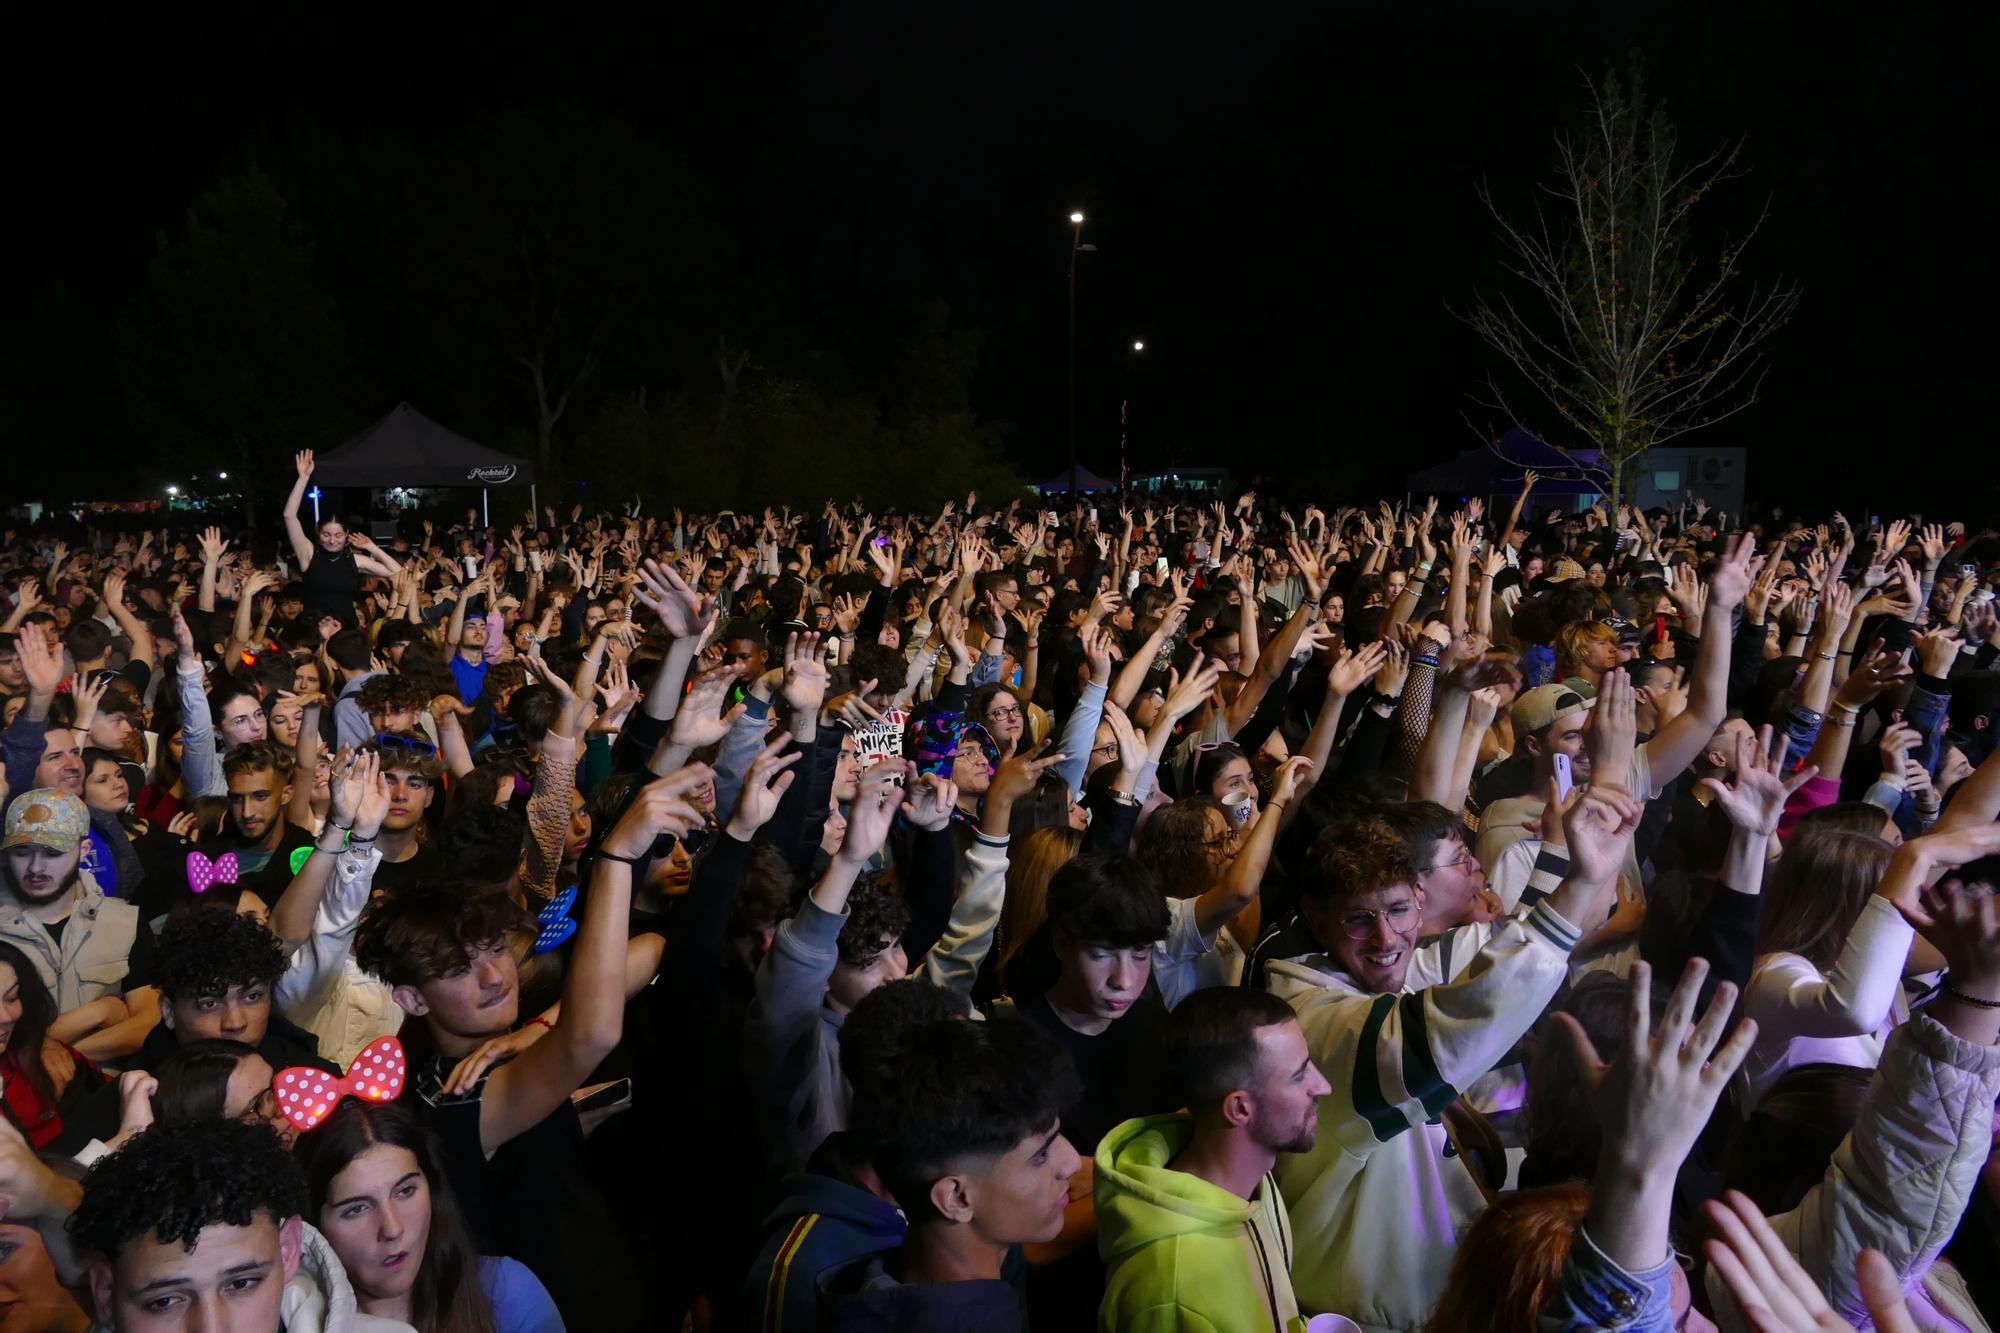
1282, 195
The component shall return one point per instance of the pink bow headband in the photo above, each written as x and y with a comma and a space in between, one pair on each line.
308, 1096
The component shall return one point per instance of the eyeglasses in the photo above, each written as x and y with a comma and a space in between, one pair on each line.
1004, 714
1108, 749
1360, 923
389, 740
1465, 860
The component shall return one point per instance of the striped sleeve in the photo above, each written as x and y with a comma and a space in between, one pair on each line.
1551, 865
1402, 1059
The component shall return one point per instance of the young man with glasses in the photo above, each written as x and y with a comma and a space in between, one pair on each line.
1399, 1034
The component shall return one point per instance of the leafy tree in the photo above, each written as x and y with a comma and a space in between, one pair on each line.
1627, 340
232, 355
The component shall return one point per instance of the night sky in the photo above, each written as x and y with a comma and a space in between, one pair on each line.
1282, 196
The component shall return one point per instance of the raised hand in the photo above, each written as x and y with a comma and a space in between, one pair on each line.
682, 610
1598, 829
212, 545
1774, 1291
701, 720
1657, 1096
1016, 776
349, 788
764, 785
1354, 668
876, 799
40, 654
1877, 672
805, 675
930, 802
661, 807
1185, 695
87, 694
1756, 799
302, 462
1734, 572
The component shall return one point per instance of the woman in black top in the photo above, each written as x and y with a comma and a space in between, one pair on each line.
333, 565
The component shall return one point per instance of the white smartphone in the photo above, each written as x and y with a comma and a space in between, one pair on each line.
1563, 777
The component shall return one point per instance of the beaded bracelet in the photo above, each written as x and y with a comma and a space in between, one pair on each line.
1973, 1000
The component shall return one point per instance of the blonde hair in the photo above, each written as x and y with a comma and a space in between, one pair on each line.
1572, 639
1031, 863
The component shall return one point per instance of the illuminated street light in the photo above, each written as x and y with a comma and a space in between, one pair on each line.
1139, 346
1076, 217
173, 490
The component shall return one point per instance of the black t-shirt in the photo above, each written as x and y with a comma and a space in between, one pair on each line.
142, 965
535, 1200
394, 876
1116, 1067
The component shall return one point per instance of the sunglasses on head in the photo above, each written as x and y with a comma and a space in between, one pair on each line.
389, 740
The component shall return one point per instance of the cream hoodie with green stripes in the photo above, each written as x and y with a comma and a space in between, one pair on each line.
1379, 1203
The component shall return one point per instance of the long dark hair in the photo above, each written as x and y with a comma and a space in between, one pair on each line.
1814, 896
38, 1010
447, 1297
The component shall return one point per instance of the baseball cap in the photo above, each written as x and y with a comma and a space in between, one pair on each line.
1536, 709
45, 817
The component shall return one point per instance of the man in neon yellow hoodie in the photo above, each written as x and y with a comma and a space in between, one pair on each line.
1190, 1222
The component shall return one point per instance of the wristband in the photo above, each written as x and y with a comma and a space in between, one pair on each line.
1955, 993
1430, 662
1846, 708
539, 1021
1826, 657
633, 861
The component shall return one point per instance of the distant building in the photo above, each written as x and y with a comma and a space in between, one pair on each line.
1208, 480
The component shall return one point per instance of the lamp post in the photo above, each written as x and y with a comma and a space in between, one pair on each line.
1124, 427
1075, 248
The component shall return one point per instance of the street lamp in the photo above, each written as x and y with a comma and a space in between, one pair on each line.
1139, 345
224, 476
173, 490
1075, 248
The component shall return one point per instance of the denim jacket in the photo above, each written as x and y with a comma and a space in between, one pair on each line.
1598, 1294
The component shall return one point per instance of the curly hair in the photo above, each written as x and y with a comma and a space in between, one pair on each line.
871, 1038
881, 664
392, 693
1356, 857
173, 1182
424, 933
205, 950
877, 916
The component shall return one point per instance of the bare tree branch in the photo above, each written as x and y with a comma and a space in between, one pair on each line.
1632, 342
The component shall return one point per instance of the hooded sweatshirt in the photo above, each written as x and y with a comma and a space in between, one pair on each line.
822, 1224
1183, 1253
319, 1298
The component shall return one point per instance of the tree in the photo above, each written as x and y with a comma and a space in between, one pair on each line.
570, 249
1628, 341
232, 357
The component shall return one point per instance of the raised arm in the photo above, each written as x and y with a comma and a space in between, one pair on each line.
1675, 745
521, 1093
302, 546
1655, 1099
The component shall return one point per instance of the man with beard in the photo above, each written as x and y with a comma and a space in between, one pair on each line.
91, 951
259, 777
1190, 1221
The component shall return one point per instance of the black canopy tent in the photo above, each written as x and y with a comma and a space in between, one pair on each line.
407, 448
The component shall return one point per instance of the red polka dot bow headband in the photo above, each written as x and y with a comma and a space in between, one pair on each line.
307, 1096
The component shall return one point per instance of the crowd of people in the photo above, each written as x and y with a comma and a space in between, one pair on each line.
1247, 916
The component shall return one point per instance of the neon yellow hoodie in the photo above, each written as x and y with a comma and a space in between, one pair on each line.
1184, 1255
